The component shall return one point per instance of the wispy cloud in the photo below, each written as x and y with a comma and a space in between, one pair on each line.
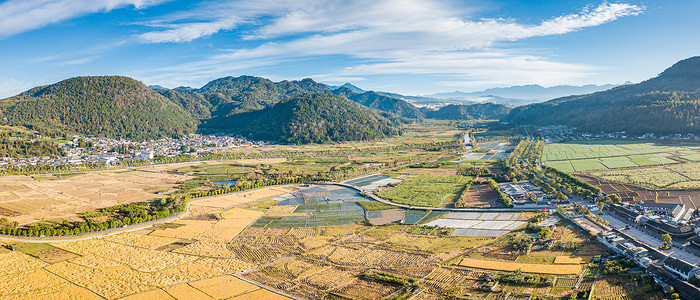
17, 16
10, 86
388, 37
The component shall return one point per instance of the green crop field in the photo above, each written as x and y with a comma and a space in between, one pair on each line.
427, 190
598, 149
652, 165
582, 156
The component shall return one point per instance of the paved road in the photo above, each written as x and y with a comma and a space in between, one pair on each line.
649, 238
645, 236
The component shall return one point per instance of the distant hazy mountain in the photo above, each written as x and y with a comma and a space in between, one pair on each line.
109, 106
349, 86
157, 87
668, 103
483, 111
526, 94
308, 118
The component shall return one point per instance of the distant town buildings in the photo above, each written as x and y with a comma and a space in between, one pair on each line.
81, 150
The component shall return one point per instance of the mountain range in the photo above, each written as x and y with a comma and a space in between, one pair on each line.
302, 111
121, 107
666, 104
522, 94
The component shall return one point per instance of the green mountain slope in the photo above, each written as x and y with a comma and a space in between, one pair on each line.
484, 111
308, 118
109, 106
666, 104
248, 93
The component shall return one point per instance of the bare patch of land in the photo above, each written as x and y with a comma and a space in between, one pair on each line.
25, 199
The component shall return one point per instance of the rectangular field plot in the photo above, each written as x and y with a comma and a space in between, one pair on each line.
492, 225
617, 162
427, 190
453, 223
414, 216
448, 222
597, 149
587, 165
508, 216
525, 267
464, 215
488, 216
562, 165
478, 232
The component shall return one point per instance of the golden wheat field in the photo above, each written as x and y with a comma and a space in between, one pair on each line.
183, 260
219, 255
527, 268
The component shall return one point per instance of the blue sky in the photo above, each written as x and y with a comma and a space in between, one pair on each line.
407, 46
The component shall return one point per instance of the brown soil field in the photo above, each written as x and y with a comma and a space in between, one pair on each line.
55, 255
24, 199
634, 194
480, 195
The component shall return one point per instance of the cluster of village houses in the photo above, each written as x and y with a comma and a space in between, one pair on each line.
107, 151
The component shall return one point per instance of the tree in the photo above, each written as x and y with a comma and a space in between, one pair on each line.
601, 205
666, 239
669, 289
615, 198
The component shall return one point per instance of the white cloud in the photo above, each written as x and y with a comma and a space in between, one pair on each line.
17, 16
186, 32
390, 37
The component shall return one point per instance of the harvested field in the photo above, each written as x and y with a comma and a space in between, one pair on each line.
569, 260
527, 268
27, 200
185, 291
634, 194
366, 289
55, 255
223, 286
16, 262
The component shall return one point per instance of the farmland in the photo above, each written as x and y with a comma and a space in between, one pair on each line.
25, 199
186, 257
650, 165
632, 193
247, 234
428, 190
312, 241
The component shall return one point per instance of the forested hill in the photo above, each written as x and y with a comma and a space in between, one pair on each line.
484, 111
380, 102
109, 106
666, 104
229, 95
308, 118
